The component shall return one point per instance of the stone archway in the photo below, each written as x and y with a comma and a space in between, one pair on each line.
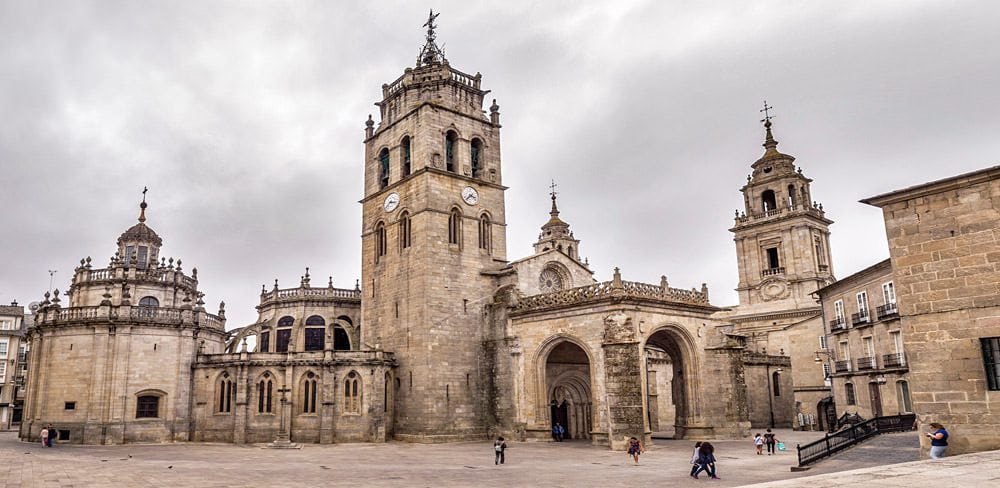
669, 366
569, 393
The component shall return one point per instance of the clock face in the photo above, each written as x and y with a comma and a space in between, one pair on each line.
391, 202
470, 195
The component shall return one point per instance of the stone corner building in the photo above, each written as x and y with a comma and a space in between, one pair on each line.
944, 242
444, 338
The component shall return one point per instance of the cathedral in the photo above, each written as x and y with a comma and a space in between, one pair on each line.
444, 338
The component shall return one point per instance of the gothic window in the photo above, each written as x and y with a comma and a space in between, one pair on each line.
379, 241
406, 156
147, 407
768, 200
341, 342
265, 394
776, 383
227, 390
849, 393
315, 338
549, 281
383, 168
455, 227
475, 157
352, 394
264, 343
485, 233
450, 140
284, 336
404, 230
309, 393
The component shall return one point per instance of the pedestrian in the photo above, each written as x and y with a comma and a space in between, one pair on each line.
770, 440
694, 459
706, 460
53, 435
758, 442
939, 440
499, 446
45, 437
634, 449
558, 432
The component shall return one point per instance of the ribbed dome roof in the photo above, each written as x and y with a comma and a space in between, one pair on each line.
140, 232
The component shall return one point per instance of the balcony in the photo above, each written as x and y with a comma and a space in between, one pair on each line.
773, 271
842, 366
897, 360
861, 318
838, 325
887, 311
866, 363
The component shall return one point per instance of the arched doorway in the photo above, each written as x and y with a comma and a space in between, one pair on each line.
567, 383
668, 399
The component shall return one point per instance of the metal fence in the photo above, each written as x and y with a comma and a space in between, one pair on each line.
853, 435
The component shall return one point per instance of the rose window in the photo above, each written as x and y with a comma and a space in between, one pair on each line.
549, 281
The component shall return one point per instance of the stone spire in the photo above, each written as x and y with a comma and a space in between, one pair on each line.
772, 158
555, 233
431, 53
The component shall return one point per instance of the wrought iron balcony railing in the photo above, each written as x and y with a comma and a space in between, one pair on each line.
886, 311
842, 366
838, 324
896, 360
861, 318
866, 363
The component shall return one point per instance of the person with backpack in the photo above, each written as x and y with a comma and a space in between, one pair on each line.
770, 441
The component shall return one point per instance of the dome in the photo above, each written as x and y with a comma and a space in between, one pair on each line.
140, 233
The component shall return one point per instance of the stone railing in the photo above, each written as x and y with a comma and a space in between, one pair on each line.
155, 314
291, 294
608, 289
107, 313
465, 79
815, 209
157, 275
362, 357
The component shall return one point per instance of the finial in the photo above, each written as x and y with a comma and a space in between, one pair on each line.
552, 192
369, 127
331, 282
357, 285
431, 53
495, 113
769, 142
142, 206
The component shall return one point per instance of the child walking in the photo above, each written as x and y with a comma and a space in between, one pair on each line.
759, 442
634, 449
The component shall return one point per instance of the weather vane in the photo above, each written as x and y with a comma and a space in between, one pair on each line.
767, 115
430, 53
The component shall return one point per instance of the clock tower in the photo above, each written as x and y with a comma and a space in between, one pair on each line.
433, 222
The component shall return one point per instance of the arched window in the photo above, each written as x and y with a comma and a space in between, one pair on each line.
768, 200
383, 168
379, 241
849, 393
341, 342
227, 390
283, 334
147, 407
346, 320
309, 393
264, 341
265, 394
476, 157
315, 333
450, 140
455, 227
149, 302
286, 321
404, 230
352, 393
903, 396
792, 197
406, 156
485, 232
776, 383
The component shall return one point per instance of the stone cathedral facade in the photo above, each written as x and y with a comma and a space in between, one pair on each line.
444, 337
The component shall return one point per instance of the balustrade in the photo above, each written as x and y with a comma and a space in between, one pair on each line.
628, 289
293, 293
772, 271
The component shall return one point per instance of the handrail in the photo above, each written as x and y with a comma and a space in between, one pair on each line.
851, 436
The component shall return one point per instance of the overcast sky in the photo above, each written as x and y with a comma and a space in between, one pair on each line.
246, 119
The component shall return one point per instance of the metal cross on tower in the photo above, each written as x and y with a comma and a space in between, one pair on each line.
767, 116
552, 189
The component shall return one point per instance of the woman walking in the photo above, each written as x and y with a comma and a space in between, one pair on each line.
706, 460
939, 440
770, 440
694, 459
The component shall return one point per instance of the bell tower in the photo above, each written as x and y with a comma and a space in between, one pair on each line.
782, 236
433, 226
